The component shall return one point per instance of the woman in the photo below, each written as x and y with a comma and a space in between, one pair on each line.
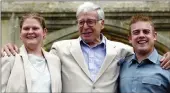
33, 69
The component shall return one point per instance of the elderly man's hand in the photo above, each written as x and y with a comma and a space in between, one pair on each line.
9, 49
165, 61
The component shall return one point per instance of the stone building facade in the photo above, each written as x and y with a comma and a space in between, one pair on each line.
61, 19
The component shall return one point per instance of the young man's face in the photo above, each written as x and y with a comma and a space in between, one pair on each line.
142, 37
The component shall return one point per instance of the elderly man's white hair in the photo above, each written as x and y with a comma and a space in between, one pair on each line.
89, 6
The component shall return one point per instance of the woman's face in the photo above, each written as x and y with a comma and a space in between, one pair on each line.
32, 33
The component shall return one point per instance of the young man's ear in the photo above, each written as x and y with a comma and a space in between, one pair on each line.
130, 39
155, 35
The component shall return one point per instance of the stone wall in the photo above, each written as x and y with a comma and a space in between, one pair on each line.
60, 18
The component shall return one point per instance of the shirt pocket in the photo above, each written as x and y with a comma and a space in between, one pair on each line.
151, 81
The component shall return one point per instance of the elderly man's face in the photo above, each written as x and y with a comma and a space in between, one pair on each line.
90, 27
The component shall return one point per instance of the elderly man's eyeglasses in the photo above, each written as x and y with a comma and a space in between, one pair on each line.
89, 22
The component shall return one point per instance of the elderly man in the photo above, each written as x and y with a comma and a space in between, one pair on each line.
141, 72
89, 63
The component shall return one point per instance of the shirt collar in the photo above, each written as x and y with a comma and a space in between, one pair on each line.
153, 57
133, 59
103, 41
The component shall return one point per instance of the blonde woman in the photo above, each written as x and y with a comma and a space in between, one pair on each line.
33, 69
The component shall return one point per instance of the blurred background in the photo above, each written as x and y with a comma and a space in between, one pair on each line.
61, 19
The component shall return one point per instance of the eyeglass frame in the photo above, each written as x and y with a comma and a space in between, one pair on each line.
87, 22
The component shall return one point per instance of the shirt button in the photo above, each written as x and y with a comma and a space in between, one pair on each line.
94, 87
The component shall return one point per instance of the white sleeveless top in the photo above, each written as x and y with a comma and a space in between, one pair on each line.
40, 76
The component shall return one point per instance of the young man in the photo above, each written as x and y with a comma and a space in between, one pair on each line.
141, 72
